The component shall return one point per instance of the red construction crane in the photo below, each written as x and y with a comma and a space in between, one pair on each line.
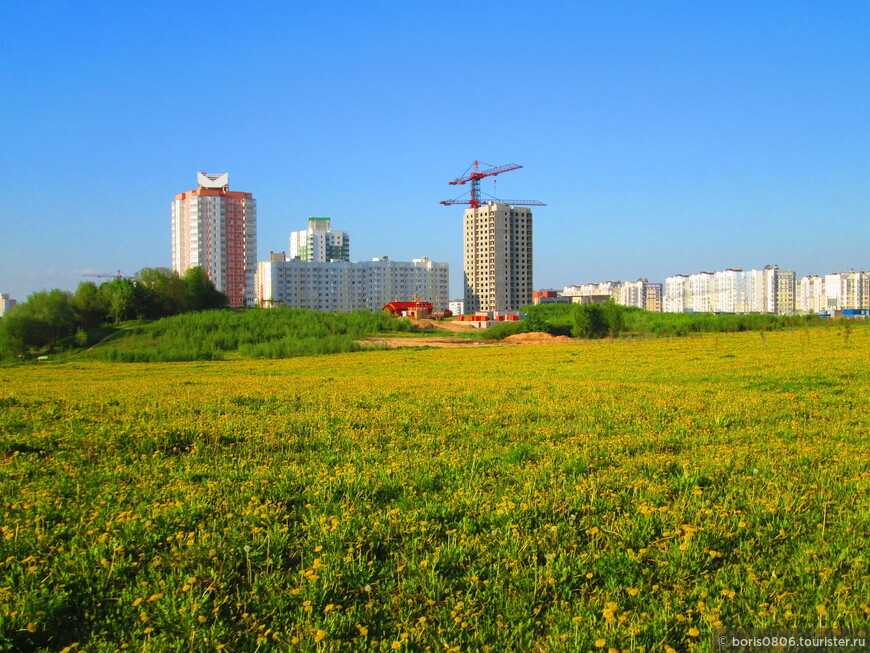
474, 175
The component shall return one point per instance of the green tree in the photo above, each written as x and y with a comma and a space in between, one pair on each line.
121, 299
90, 305
613, 316
20, 330
201, 293
534, 322
54, 310
589, 321
169, 289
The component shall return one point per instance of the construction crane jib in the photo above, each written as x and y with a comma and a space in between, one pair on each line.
474, 174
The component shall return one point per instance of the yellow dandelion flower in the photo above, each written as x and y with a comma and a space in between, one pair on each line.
600, 643
694, 632
319, 635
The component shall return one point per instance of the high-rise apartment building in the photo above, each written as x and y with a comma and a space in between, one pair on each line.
6, 302
497, 259
216, 228
319, 243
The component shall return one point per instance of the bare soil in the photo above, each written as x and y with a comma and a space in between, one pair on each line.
535, 338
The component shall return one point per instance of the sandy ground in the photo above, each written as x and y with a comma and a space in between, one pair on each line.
435, 341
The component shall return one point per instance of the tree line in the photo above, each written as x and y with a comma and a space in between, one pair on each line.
49, 317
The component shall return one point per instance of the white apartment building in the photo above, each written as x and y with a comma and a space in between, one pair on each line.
640, 293
770, 290
811, 295
216, 228
344, 286
601, 288
497, 257
6, 302
456, 306
319, 243
839, 291
678, 294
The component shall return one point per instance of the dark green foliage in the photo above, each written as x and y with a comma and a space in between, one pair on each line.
531, 324
200, 291
635, 321
47, 318
257, 333
590, 321
90, 305
169, 290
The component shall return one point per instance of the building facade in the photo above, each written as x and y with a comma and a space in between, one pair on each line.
216, 228
343, 286
6, 302
497, 257
319, 243
840, 291
770, 290
640, 293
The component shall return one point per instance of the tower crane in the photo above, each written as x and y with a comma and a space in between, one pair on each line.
474, 174
118, 275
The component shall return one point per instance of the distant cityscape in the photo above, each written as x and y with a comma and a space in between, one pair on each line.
770, 290
216, 228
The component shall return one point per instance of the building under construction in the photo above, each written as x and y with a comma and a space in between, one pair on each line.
497, 247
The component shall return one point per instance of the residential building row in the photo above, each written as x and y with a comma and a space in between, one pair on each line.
640, 293
216, 228
840, 291
770, 290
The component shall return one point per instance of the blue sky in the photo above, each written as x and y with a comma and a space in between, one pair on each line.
665, 137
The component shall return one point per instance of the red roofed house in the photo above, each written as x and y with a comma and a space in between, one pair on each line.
416, 310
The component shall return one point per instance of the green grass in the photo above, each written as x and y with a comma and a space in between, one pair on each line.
635, 493
260, 333
640, 322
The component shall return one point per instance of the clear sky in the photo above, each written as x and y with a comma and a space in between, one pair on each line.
665, 137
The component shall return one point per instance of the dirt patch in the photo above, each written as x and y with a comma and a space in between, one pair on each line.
428, 342
537, 338
443, 325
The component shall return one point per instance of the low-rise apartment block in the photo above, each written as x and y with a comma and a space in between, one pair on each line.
344, 286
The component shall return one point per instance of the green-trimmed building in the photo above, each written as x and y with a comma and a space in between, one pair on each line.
319, 243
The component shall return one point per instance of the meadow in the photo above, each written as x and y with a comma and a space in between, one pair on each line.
624, 495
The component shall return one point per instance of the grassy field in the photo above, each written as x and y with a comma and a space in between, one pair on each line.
613, 496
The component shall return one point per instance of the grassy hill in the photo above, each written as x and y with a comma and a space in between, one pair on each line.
272, 333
